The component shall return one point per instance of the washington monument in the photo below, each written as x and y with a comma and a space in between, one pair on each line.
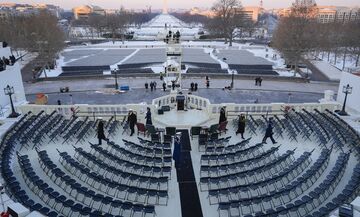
165, 7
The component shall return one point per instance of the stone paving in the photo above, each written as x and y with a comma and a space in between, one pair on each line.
214, 95
138, 82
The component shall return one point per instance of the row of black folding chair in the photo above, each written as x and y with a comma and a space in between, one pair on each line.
127, 192
85, 132
236, 156
128, 169
145, 151
119, 154
282, 195
300, 207
257, 161
269, 169
280, 178
82, 207
213, 160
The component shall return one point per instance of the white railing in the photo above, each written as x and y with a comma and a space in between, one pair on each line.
96, 111
191, 101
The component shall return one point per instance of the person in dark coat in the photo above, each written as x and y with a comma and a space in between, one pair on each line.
196, 87
241, 126
151, 86
148, 117
100, 132
177, 151
164, 86
132, 119
12, 59
146, 85
222, 115
192, 86
173, 85
269, 132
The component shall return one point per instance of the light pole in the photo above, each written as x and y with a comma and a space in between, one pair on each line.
10, 91
347, 90
232, 79
116, 81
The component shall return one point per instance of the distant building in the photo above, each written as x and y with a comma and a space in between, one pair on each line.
252, 13
328, 14
7, 9
84, 11
203, 12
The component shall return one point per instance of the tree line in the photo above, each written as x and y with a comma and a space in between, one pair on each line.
34, 33
229, 21
301, 34
113, 25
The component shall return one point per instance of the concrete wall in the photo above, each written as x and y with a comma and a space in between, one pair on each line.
353, 100
11, 76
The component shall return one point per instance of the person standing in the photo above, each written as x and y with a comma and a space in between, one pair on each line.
260, 80
269, 132
241, 126
177, 151
173, 85
132, 119
222, 117
148, 117
100, 132
151, 86
154, 84
164, 86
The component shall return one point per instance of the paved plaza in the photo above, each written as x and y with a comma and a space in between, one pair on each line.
96, 91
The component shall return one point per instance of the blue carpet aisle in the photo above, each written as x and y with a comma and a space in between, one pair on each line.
189, 197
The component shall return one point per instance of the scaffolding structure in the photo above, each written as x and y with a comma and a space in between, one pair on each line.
173, 60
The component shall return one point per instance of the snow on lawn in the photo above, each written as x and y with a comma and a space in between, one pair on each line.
209, 47
328, 70
350, 61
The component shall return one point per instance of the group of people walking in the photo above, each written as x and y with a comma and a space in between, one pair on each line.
153, 85
241, 126
7, 62
131, 122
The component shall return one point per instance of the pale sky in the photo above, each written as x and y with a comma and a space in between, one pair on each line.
157, 4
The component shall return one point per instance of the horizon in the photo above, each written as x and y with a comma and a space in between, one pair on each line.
172, 4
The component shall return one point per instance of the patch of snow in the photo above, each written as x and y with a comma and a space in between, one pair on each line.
328, 70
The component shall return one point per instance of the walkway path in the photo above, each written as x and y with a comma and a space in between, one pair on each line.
214, 95
189, 196
138, 82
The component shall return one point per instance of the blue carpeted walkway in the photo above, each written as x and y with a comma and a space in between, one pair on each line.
189, 196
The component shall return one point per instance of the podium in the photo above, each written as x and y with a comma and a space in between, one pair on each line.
180, 99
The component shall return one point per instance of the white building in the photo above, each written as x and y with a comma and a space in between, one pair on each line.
10, 76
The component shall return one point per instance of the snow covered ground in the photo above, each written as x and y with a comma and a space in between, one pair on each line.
123, 52
328, 70
350, 61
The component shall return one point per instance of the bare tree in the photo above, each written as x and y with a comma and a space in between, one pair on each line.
353, 40
228, 17
116, 25
35, 33
98, 23
295, 34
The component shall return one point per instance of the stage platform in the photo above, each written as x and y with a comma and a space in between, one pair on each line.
182, 119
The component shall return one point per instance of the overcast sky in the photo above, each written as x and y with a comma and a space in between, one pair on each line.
157, 4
